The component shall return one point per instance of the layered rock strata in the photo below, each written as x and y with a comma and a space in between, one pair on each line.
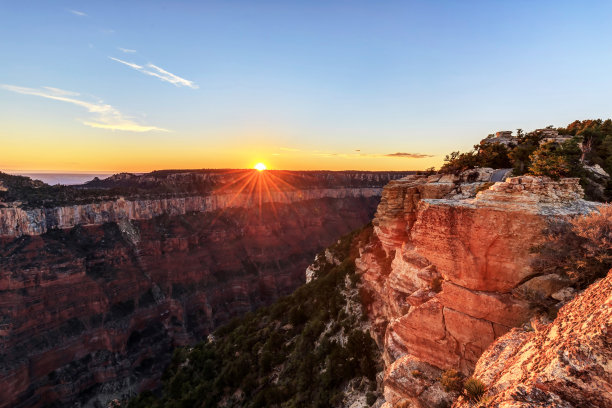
16, 221
567, 363
451, 250
93, 312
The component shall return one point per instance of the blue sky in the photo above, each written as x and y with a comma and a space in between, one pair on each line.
141, 85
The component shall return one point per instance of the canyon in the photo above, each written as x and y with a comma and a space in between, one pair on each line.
16, 221
95, 294
443, 277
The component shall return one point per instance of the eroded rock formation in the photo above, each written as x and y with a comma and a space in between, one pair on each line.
94, 297
567, 363
450, 252
17, 221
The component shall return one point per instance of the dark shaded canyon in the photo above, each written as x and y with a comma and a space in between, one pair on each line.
94, 311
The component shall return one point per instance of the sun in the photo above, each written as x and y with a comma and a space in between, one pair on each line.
260, 167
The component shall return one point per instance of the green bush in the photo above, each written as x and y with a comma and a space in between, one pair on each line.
474, 389
452, 380
591, 145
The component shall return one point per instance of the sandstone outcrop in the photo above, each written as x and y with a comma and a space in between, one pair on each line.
92, 312
567, 363
451, 250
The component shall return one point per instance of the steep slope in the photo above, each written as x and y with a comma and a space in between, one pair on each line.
442, 276
92, 311
567, 363
309, 349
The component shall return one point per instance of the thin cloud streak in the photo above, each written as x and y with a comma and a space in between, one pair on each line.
158, 72
409, 155
60, 92
129, 64
373, 155
357, 154
107, 117
78, 13
126, 50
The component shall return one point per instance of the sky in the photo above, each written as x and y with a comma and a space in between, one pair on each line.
109, 86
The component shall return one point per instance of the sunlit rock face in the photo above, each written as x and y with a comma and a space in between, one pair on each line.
92, 312
567, 363
450, 251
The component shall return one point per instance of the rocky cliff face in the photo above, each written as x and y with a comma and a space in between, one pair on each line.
451, 252
94, 297
16, 221
567, 363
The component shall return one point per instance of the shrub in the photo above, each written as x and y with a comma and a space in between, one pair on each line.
370, 398
544, 162
580, 249
452, 380
474, 388
484, 155
596, 231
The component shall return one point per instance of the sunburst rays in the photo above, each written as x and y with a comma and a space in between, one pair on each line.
258, 187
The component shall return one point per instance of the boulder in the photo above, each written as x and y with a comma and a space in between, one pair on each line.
567, 363
543, 286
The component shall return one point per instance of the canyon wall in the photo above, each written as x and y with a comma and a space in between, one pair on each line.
94, 297
17, 221
442, 276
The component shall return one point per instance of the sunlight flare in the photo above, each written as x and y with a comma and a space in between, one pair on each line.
260, 167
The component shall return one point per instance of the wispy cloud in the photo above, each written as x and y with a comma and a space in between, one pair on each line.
78, 13
409, 155
129, 64
59, 92
371, 155
160, 73
126, 50
106, 116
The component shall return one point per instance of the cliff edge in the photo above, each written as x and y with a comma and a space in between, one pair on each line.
567, 363
442, 277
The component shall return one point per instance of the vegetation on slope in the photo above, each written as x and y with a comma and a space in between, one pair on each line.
301, 351
590, 145
580, 249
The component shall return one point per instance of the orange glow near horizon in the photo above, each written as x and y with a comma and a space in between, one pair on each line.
114, 153
260, 167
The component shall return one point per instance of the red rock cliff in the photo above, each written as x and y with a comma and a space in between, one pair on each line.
440, 279
92, 312
567, 363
